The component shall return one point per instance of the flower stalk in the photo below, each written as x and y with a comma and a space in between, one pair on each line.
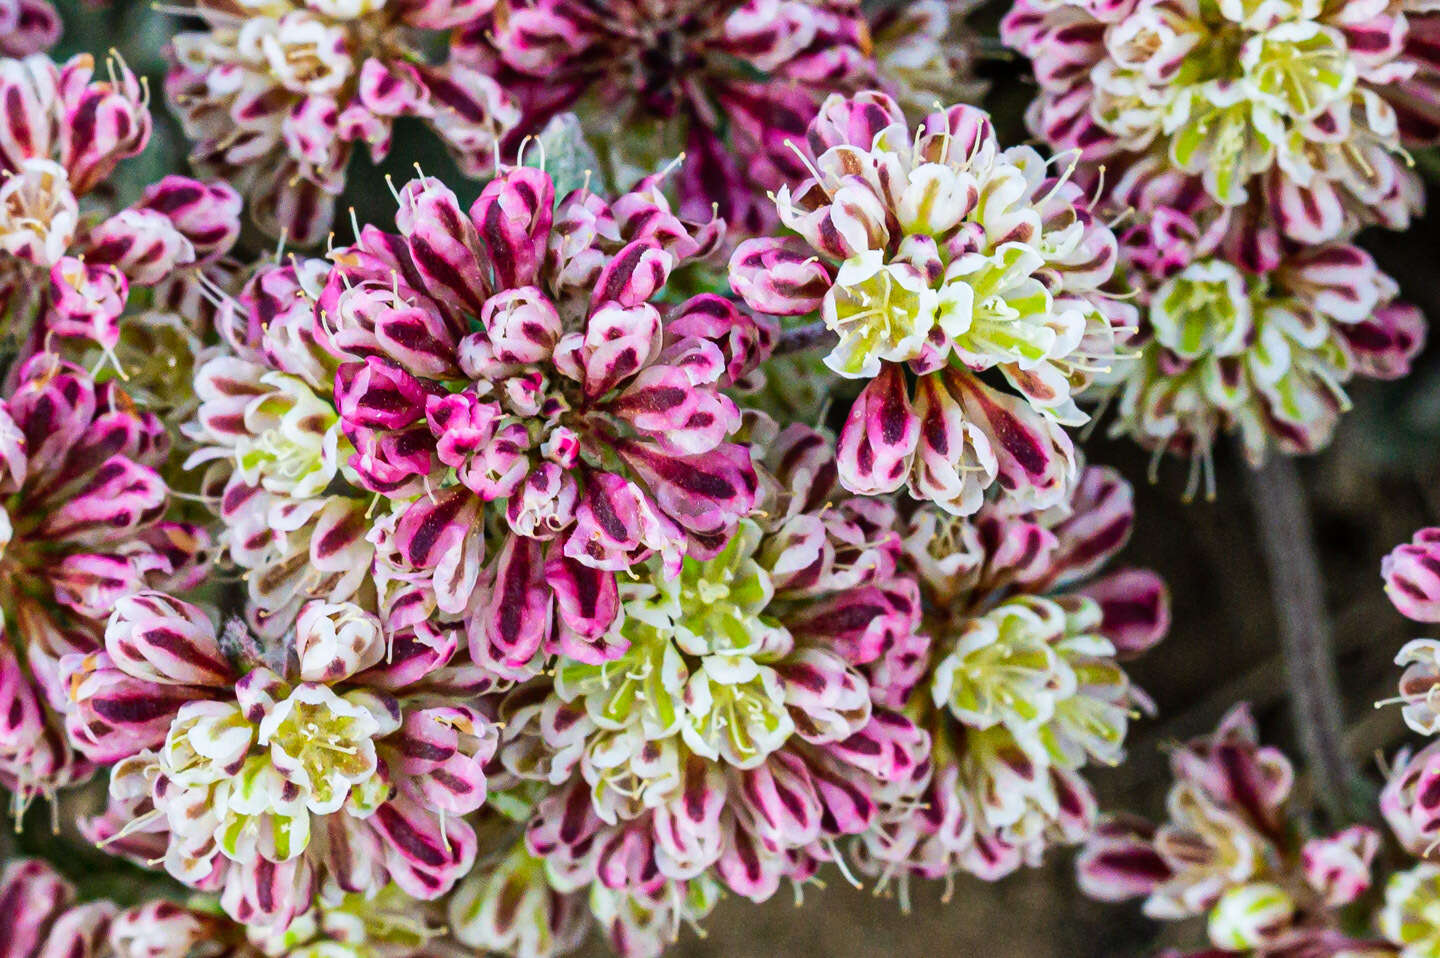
1283, 525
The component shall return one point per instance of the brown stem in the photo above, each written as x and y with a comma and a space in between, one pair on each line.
804, 338
1283, 523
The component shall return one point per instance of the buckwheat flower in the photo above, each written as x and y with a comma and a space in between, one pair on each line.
275, 775
1276, 111
925, 53
1231, 850
1412, 576
1020, 688
508, 906
1224, 827
725, 83
1407, 918
736, 739
83, 524
43, 918
1410, 801
943, 253
519, 364
267, 431
277, 93
27, 26
1266, 356
70, 276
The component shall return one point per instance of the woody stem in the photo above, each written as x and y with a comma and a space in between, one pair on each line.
1283, 524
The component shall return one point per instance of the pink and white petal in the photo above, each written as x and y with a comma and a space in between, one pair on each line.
879, 437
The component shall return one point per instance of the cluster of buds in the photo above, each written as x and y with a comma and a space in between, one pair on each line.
67, 272
1278, 112
1229, 851
276, 93
273, 773
940, 254
1235, 851
522, 353
1019, 683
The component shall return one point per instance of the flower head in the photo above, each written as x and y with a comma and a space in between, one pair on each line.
276, 97
1229, 850
1267, 356
945, 254
541, 418
269, 775
728, 83
1277, 111
1020, 688
736, 737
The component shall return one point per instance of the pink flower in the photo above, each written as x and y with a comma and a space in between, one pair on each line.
730, 84
286, 770
586, 411
926, 278
277, 100
1021, 636
64, 136
84, 527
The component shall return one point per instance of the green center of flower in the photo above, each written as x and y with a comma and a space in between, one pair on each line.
292, 441
697, 673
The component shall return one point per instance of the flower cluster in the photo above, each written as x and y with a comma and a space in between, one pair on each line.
500, 576
728, 83
515, 369
82, 524
272, 774
1018, 683
66, 271
943, 254
276, 93
1228, 851
748, 725
1277, 111
1266, 355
